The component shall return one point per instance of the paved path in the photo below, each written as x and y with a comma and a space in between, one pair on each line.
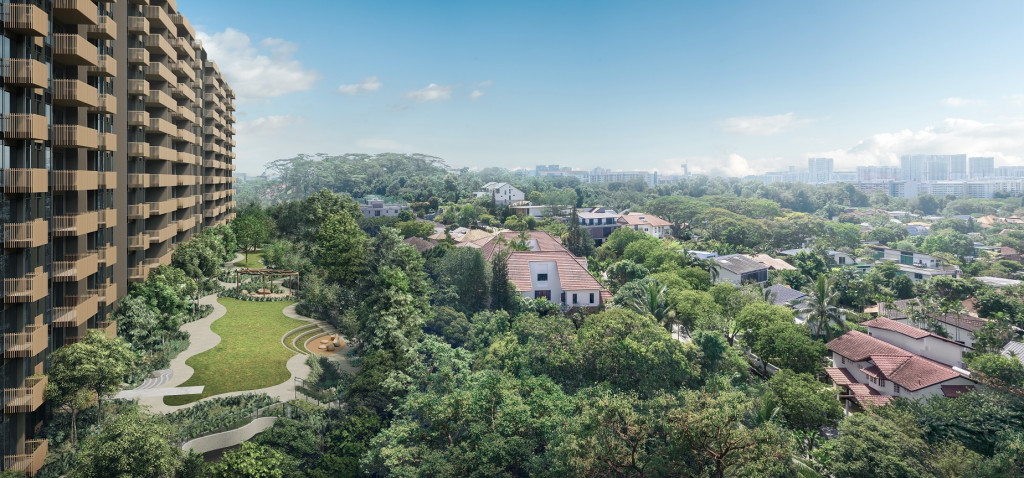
157, 378
230, 437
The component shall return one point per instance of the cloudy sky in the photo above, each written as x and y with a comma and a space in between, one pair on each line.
731, 87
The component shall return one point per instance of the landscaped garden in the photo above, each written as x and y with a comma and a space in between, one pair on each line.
253, 261
249, 356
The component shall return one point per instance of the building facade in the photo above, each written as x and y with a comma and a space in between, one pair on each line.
115, 144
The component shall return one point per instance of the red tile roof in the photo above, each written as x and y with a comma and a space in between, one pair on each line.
892, 363
898, 327
572, 271
859, 346
840, 376
900, 310
536, 240
866, 396
641, 219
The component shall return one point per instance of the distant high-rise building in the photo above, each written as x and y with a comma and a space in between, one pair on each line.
819, 170
981, 168
878, 173
933, 167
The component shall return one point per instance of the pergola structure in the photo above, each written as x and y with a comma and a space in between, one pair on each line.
273, 274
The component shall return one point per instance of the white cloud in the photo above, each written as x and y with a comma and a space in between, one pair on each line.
476, 94
258, 72
367, 85
957, 102
761, 125
383, 145
1004, 141
1016, 100
433, 92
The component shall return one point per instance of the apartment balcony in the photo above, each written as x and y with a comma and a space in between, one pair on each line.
136, 180
108, 180
139, 2
75, 136
156, 71
74, 268
138, 56
138, 242
74, 93
186, 136
154, 262
185, 113
106, 294
79, 12
186, 224
106, 218
138, 273
162, 126
159, 18
25, 181
32, 287
158, 44
25, 20
183, 91
162, 180
76, 180
138, 150
25, 344
163, 234
186, 202
22, 72
106, 104
187, 180
138, 118
162, 153
25, 399
79, 224
163, 207
24, 126
72, 49
186, 158
138, 211
18, 235
138, 87
107, 67
138, 25
107, 327
76, 311
106, 255
105, 29
158, 98
108, 142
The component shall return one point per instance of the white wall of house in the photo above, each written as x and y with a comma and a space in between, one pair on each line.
933, 348
504, 194
659, 232
887, 387
919, 259
725, 275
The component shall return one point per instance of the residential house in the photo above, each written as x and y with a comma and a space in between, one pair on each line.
536, 241
702, 255
782, 295
739, 269
997, 282
918, 228
599, 221
772, 263
869, 371
503, 194
421, 245
918, 341
919, 266
557, 276
647, 223
525, 208
958, 327
380, 208
1009, 254
1014, 350
840, 258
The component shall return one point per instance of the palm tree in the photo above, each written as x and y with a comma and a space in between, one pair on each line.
711, 266
821, 309
648, 297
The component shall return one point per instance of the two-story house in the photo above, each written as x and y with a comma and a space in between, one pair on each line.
557, 276
919, 266
646, 223
600, 222
958, 327
503, 194
380, 208
739, 269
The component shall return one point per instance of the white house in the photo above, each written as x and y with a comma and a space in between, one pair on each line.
647, 223
558, 276
502, 193
378, 208
918, 341
739, 269
869, 371
959, 327
910, 258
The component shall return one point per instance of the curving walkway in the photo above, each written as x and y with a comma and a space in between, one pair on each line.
229, 438
156, 379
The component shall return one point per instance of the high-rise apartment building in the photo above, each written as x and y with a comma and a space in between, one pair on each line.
981, 168
819, 170
115, 144
933, 167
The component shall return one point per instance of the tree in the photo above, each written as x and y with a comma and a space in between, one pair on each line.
252, 228
804, 403
168, 290
871, 445
648, 297
137, 322
1005, 370
758, 316
789, 346
464, 270
578, 240
340, 247
133, 445
622, 272
256, 461
822, 312
84, 371
394, 303
502, 291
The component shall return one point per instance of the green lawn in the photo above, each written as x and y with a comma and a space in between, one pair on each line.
249, 355
253, 262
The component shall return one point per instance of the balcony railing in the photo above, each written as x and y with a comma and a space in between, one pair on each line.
157, 44
138, 56
21, 72
138, 273
186, 224
186, 202
81, 12
106, 104
75, 267
138, 87
31, 461
157, 71
138, 242
106, 255
75, 136
25, 19
106, 218
186, 136
108, 180
25, 234
25, 344
24, 126
162, 180
160, 125
76, 311
74, 49
30, 288
25, 399
186, 158
163, 234
75, 224
138, 150
136, 180
75, 180
25, 181
74, 93
106, 294
107, 327
163, 207
107, 142
138, 118
138, 25
159, 98
162, 153
158, 16
105, 29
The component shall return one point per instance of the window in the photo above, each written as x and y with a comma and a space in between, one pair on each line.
574, 301
896, 388
844, 359
591, 297
542, 277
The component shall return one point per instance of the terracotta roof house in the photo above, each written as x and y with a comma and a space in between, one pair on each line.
648, 223
959, 327
773, 263
419, 243
533, 240
865, 368
557, 276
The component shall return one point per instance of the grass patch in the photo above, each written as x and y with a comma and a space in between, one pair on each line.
300, 341
253, 262
290, 338
249, 356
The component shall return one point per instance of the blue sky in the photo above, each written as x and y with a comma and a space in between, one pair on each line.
727, 87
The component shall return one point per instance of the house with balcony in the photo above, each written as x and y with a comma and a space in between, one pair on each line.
647, 223
378, 207
503, 194
557, 276
919, 266
599, 221
739, 269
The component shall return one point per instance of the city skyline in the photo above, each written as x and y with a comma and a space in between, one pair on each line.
738, 89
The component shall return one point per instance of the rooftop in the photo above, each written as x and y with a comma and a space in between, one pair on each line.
641, 219
892, 363
783, 295
739, 263
773, 263
572, 271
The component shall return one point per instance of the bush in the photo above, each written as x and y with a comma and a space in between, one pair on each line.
217, 414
